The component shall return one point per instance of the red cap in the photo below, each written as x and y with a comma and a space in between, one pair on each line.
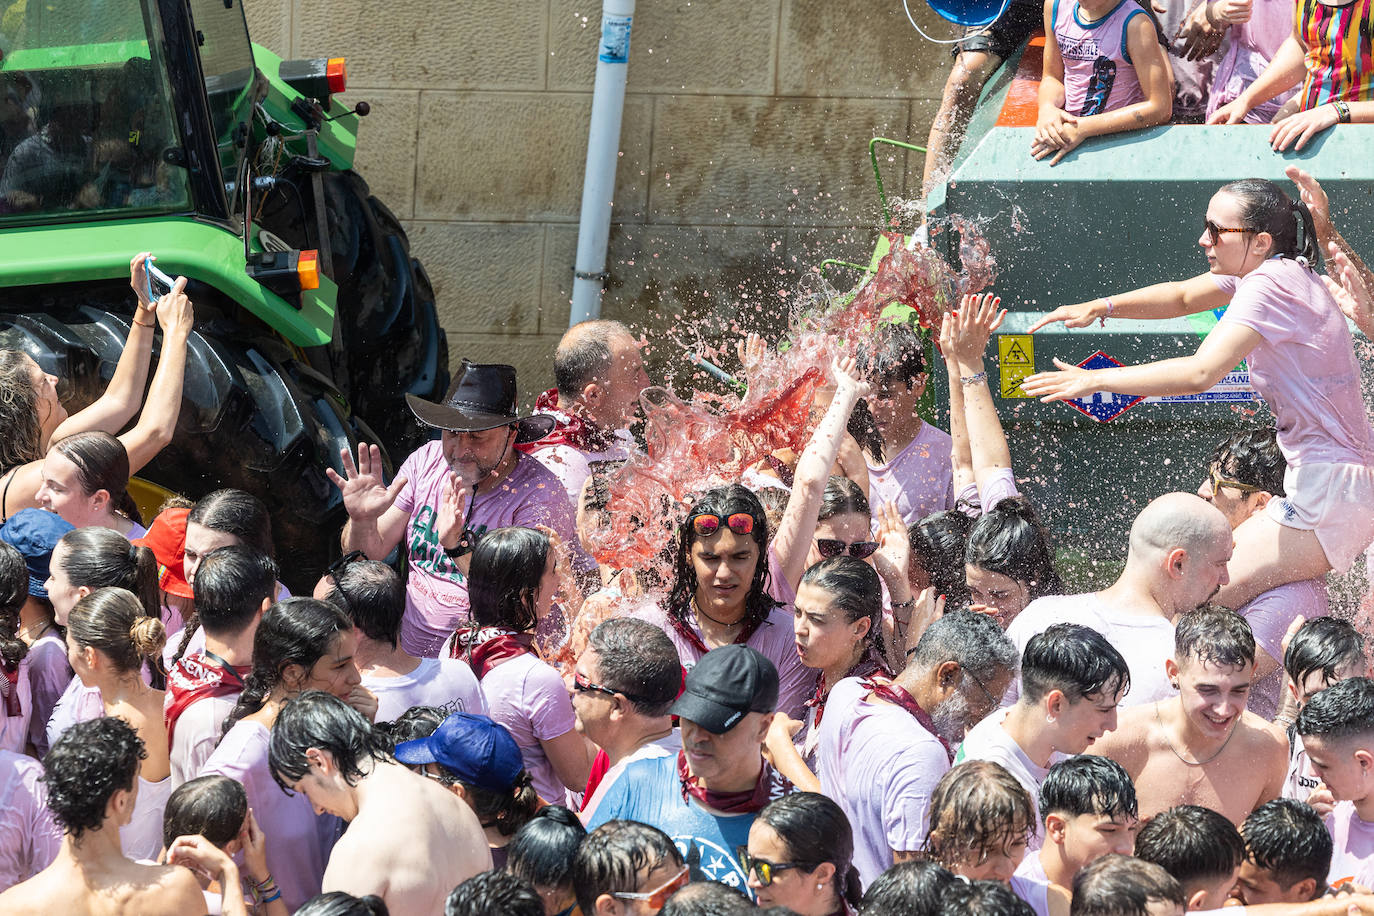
166, 538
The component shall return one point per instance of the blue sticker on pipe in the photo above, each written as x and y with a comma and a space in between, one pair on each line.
615, 40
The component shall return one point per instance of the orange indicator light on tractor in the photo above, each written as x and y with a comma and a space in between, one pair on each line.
336, 71
308, 269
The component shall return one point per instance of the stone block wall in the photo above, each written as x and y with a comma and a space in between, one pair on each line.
743, 164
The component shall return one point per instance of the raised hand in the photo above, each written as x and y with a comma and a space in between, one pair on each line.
893, 555
1068, 383
973, 324
138, 278
174, 312
365, 496
751, 349
1348, 288
1073, 316
254, 844
452, 514
846, 373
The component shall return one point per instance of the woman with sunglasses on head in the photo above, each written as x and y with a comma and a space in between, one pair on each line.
1261, 248
512, 581
798, 857
730, 578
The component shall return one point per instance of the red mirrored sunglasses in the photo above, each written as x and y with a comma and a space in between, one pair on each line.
708, 523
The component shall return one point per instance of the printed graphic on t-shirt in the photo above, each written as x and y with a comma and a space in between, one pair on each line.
425, 553
1099, 87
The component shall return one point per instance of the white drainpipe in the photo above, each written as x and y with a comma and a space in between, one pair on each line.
603, 149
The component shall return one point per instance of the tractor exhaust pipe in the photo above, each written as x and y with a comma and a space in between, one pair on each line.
603, 148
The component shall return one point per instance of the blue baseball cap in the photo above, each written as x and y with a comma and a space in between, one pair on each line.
476, 750
34, 533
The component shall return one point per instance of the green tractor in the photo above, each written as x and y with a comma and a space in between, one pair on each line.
129, 125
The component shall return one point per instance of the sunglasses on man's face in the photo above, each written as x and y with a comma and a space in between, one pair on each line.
830, 547
766, 870
656, 898
708, 523
348, 559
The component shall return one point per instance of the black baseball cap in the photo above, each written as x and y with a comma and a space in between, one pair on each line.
725, 686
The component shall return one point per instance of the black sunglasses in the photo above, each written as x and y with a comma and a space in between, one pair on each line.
830, 547
343, 562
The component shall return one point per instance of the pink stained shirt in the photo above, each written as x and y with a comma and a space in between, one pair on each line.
1250, 47
436, 592
573, 466
1098, 74
29, 836
988, 740
1269, 617
1352, 856
298, 840
447, 683
1304, 365
919, 479
529, 698
880, 766
48, 674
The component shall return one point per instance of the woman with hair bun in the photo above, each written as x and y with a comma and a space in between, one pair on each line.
109, 637
86, 481
799, 857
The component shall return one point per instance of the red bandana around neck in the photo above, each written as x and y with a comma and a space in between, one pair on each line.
194, 678
484, 647
898, 696
870, 664
684, 629
569, 428
770, 785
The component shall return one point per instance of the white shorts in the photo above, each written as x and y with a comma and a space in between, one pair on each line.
1336, 501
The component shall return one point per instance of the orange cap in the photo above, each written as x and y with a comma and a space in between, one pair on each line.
166, 538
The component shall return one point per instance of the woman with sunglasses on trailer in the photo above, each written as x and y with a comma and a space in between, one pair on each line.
1261, 247
32, 416
512, 582
798, 857
730, 579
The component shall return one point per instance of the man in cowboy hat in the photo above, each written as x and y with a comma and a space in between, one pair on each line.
450, 492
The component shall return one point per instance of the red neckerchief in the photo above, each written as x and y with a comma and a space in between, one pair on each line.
569, 429
770, 785
9, 687
897, 696
486, 646
684, 629
196, 677
601, 765
869, 664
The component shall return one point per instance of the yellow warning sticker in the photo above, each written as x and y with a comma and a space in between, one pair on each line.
1016, 357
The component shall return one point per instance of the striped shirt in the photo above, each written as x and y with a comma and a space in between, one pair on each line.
1340, 51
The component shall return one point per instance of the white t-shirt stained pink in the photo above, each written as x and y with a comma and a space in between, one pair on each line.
666, 746
198, 732
1304, 367
436, 592
573, 466
29, 837
1302, 779
447, 683
1144, 641
1269, 617
48, 674
529, 698
919, 478
988, 740
1352, 858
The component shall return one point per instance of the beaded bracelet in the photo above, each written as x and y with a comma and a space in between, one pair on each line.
973, 379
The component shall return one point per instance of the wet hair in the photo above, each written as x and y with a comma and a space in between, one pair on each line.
894, 354
1325, 644
238, 513
774, 502
586, 357
112, 621
843, 496
415, 723
1117, 885
86, 766
210, 806
1196, 845
14, 591
1264, 207
101, 557
815, 830
342, 903
1074, 659
231, 584
725, 502
494, 893
294, 631
102, 463
637, 659
863, 427
542, 851
913, 888
21, 429
503, 580
616, 856
1288, 839
1088, 784
977, 809
855, 591
974, 641
1251, 457
709, 898
1214, 635
1343, 710
1010, 540
316, 719
939, 542
373, 597
983, 898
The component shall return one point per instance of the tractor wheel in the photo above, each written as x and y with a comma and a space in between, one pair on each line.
252, 415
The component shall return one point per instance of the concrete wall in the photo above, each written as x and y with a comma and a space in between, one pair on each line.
743, 151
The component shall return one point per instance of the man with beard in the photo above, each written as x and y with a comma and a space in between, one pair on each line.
449, 493
898, 735
1179, 548
1202, 747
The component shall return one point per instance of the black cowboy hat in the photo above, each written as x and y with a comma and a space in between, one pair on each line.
482, 396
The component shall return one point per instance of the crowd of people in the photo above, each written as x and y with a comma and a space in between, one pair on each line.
854, 681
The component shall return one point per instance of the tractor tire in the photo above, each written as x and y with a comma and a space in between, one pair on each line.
252, 415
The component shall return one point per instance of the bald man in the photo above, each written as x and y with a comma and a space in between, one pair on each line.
599, 374
1179, 547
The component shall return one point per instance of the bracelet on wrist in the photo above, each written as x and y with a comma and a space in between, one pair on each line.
1111, 307
974, 379
910, 602
1342, 112
275, 897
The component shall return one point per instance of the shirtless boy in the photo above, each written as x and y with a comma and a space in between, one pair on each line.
91, 775
329, 752
1203, 747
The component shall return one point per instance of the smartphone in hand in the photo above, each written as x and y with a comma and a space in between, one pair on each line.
159, 284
